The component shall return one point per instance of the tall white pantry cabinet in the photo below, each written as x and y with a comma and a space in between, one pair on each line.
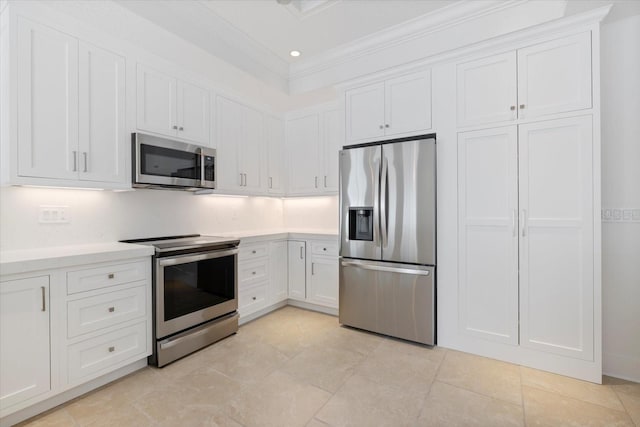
529, 283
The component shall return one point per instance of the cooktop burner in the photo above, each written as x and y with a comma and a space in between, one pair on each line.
189, 241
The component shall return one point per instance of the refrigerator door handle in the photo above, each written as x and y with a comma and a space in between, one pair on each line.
383, 202
385, 268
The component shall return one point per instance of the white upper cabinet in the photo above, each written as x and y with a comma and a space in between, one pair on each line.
168, 106
332, 142
394, 108
540, 80
240, 138
365, 113
487, 233
275, 138
557, 236
103, 148
193, 113
487, 90
25, 370
554, 77
71, 110
47, 77
303, 140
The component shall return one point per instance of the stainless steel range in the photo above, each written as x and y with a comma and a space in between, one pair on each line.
195, 293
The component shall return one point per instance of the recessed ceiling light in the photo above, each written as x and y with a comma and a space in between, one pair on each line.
294, 53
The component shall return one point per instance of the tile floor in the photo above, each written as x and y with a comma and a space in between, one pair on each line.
299, 368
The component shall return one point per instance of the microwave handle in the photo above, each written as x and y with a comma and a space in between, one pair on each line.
201, 154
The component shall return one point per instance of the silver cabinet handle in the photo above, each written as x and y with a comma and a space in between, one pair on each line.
524, 220
112, 309
385, 268
44, 300
112, 349
522, 106
270, 182
512, 108
75, 161
84, 155
301, 254
384, 232
316, 181
325, 181
111, 276
180, 128
313, 271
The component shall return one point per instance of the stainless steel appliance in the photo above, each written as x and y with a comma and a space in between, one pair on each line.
164, 163
388, 238
195, 293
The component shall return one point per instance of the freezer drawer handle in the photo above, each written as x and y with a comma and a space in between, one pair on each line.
386, 268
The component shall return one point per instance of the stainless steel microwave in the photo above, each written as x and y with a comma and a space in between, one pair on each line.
165, 163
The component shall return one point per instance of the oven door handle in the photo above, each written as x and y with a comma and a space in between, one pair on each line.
184, 259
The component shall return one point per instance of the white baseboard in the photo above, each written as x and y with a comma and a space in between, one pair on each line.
621, 366
313, 307
249, 317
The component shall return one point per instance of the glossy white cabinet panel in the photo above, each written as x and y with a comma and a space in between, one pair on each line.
555, 76
229, 138
278, 271
275, 142
47, 79
557, 236
332, 142
408, 104
252, 152
487, 90
297, 269
303, 142
488, 239
24, 340
365, 113
103, 146
193, 113
156, 102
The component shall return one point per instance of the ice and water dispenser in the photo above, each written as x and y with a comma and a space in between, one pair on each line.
361, 223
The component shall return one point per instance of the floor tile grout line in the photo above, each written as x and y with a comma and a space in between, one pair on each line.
559, 393
617, 393
524, 409
433, 380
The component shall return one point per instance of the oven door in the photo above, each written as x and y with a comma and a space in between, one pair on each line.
194, 288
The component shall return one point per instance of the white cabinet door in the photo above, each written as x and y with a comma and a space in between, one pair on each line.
47, 74
252, 163
556, 237
303, 138
103, 145
297, 270
408, 104
555, 77
24, 340
323, 281
487, 90
156, 102
278, 271
274, 132
193, 113
488, 239
365, 113
229, 137
332, 141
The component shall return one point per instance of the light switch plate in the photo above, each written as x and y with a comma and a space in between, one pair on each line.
620, 214
53, 214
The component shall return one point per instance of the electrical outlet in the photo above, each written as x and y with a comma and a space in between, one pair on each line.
53, 214
606, 214
626, 214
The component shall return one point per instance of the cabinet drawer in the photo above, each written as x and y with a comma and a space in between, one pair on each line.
252, 272
252, 251
102, 277
324, 248
252, 299
93, 355
101, 311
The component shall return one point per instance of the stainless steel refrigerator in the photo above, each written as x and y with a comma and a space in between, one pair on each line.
388, 238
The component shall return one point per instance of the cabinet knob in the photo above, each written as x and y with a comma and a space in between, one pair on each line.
254, 298
381, 127
180, 128
386, 126
512, 108
112, 349
174, 127
253, 252
521, 106
111, 275
324, 249
253, 273
112, 309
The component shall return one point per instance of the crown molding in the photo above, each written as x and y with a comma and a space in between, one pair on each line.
438, 20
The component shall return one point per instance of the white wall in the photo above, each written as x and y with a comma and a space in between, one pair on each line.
620, 89
104, 216
320, 213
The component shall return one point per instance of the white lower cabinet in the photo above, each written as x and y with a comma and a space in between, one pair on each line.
526, 240
313, 272
65, 327
24, 340
278, 268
